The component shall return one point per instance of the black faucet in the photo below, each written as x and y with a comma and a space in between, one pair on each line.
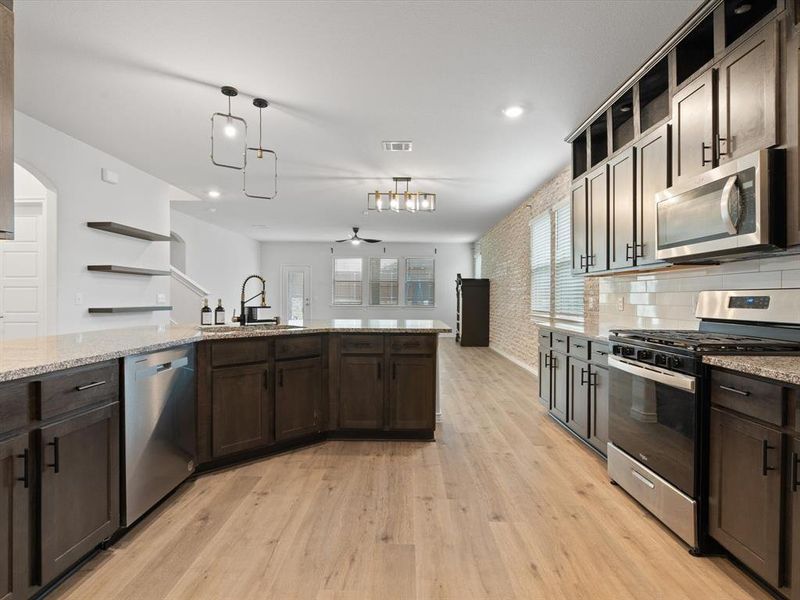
242, 318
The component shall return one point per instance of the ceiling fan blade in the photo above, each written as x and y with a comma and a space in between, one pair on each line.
345, 240
369, 241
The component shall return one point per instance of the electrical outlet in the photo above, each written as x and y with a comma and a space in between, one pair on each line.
621, 303
161, 299
79, 298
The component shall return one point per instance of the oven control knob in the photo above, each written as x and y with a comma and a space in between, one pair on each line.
660, 359
643, 355
675, 362
626, 351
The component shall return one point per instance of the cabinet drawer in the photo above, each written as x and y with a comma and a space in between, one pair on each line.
545, 339
412, 344
751, 397
579, 348
560, 342
362, 344
15, 405
599, 355
298, 346
238, 352
69, 390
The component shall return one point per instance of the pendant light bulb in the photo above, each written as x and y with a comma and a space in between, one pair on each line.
355, 242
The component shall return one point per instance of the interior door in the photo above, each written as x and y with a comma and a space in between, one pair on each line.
693, 123
295, 293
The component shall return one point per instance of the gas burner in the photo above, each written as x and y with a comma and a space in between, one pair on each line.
706, 342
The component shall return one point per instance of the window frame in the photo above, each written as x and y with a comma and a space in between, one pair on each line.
405, 281
369, 281
333, 281
551, 243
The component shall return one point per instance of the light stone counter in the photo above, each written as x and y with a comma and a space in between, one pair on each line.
35, 356
780, 368
586, 330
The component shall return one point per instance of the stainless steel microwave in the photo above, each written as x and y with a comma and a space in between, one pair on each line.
729, 211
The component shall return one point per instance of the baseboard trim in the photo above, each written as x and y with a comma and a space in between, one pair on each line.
516, 361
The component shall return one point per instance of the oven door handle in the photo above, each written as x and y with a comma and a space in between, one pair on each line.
730, 193
676, 380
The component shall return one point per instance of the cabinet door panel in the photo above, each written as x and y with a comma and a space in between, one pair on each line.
579, 221
597, 185
298, 395
361, 392
14, 525
241, 415
747, 97
80, 487
578, 412
559, 400
794, 507
544, 378
598, 409
653, 174
693, 122
621, 206
412, 393
745, 492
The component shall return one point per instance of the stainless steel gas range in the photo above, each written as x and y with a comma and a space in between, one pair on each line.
658, 399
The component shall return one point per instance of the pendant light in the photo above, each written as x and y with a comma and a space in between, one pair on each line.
396, 201
228, 136
261, 165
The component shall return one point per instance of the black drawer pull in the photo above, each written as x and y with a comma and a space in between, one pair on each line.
56, 464
25, 457
394, 370
765, 448
89, 386
601, 353
734, 390
559, 340
583, 259
379, 370
580, 346
703, 149
593, 379
795, 483
630, 251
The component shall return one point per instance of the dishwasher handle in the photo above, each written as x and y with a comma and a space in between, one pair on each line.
151, 370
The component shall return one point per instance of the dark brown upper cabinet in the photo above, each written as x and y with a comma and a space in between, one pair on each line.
622, 121
653, 174
654, 95
747, 96
16, 473
6, 124
740, 16
580, 155
579, 222
597, 203
693, 127
598, 140
622, 209
695, 51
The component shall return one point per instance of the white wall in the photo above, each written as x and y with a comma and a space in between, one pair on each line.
71, 169
218, 260
450, 259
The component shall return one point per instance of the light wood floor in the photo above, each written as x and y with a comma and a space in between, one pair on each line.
505, 504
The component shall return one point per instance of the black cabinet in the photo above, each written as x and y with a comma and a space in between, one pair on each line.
621, 208
16, 476
653, 174
579, 221
578, 390
693, 127
544, 377
412, 393
79, 487
361, 392
746, 465
241, 415
559, 400
597, 226
472, 311
794, 508
598, 408
298, 398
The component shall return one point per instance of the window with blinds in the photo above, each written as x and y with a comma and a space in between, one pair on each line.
420, 282
347, 281
541, 240
567, 289
384, 281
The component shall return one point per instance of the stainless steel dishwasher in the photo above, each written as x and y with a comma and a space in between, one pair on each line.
159, 427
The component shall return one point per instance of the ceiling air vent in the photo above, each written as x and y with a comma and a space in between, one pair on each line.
397, 146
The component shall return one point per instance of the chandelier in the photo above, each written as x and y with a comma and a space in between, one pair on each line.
397, 201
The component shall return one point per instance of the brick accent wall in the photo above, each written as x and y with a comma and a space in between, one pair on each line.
505, 261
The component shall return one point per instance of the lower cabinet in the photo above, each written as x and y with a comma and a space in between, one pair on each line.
79, 487
794, 507
544, 378
746, 467
559, 400
298, 396
578, 391
412, 393
361, 390
598, 408
241, 415
15, 486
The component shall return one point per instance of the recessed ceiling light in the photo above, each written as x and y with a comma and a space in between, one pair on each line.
213, 194
743, 8
512, 112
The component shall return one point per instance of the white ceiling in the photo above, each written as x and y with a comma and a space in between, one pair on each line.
140, 80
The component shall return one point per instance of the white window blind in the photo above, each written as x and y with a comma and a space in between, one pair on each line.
384, 281
568, 289
420, 282
540, 262
347, 281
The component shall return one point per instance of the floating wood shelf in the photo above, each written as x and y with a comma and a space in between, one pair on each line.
108, 310
127, 230
128, 270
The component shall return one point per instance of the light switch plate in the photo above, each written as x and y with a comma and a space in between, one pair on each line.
161, 299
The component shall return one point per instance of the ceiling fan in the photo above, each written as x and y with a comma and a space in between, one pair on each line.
355, 240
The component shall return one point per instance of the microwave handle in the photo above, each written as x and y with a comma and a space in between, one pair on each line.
729, 192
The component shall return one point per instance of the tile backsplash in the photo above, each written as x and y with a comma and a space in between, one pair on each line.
667, 298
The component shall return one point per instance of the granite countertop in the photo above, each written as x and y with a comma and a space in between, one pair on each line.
35, 356
587, 330
780, 368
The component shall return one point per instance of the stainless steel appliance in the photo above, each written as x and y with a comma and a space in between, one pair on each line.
159, 427
658, 409
725, 212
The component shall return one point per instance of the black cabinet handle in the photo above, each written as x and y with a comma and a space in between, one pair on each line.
583, 266
721, 139
639, 250
56, 462
703, 148
89, 386
593, 379
394, 370
630, 251
765, 448
25, 457
584, 378
591, 260
280, 377
734, 390
379, 370
601, 353
553, 362
546, 361
795, 483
